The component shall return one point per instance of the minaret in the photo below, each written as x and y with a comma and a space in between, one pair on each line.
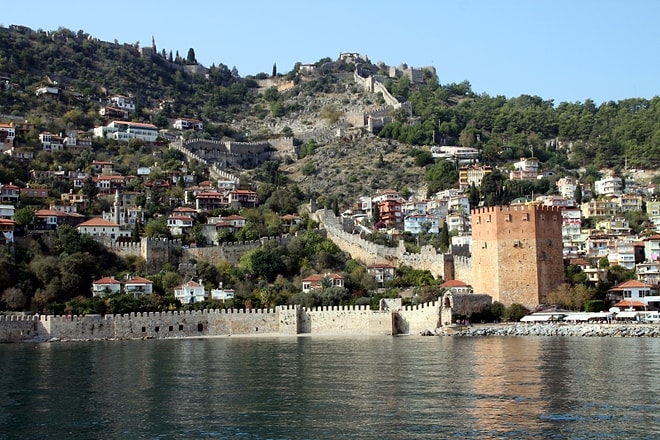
116, 207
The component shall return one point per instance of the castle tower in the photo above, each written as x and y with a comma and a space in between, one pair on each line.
517, 253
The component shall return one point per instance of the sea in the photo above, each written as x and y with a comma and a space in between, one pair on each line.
333, 387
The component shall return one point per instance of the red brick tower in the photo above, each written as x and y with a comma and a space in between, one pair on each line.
517, 253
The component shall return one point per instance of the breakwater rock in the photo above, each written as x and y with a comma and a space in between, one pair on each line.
588, 330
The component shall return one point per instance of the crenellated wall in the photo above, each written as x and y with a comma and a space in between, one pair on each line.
370, 253
345, 319
416, 319
283, 320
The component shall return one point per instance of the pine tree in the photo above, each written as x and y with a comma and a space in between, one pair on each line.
274, 70
578, 193
190, 59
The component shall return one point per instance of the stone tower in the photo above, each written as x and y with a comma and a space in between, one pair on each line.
517, 253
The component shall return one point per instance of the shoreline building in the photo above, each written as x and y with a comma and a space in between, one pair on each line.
517, 253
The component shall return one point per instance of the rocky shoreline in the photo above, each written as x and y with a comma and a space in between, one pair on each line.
554, 329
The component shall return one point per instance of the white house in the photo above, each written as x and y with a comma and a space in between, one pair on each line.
123, 102
416, 224
222, 294
190, 292
125, 131
105, 286
316, 281
138, 286
179, 223
187, 124
611, 185
7, 212
635, 290
97, 227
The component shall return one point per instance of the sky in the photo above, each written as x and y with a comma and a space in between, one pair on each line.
560, 50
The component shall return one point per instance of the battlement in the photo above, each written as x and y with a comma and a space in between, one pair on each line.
19, 318
338, 308
430, 305
516, 208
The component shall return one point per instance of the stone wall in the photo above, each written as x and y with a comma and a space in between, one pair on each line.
371, 253
283, 320
417, 319
345, 319
230, 252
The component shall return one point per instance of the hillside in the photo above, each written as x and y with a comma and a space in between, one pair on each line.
312, 104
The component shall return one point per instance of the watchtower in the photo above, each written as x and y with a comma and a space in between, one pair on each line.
517, 253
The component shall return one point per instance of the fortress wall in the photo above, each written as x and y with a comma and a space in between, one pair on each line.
416, 319
345, 319
371, 253
17, 328
283, 320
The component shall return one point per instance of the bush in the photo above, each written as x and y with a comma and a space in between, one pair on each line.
515, 312
594, 305
308, 169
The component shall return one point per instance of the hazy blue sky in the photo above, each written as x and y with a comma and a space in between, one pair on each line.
565, 50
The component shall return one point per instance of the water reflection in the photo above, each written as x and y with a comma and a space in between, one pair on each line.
324, 387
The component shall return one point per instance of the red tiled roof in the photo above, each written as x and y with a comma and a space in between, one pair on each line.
98, 222
139, 280
318, 277
631, 284
106, 280
454, 283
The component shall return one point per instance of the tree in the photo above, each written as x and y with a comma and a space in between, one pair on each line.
14, 298
190, 59
274, 70
578, 194
570, 297
260, 263
157, 228
24, 216
444, 238
89, 189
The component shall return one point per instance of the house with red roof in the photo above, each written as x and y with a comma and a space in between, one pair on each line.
99, 228
7, 228
138, 286
317, 281
51, 219
635, 290
211, 200
243, 198
382, 273
177, 224
106, 286
456, 287
9, 193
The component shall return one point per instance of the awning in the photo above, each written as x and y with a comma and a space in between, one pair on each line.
627, 315
578, 317
541, 318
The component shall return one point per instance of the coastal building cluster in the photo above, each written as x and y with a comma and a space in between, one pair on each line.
515, 253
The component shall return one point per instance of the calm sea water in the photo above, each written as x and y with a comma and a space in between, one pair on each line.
333, 388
